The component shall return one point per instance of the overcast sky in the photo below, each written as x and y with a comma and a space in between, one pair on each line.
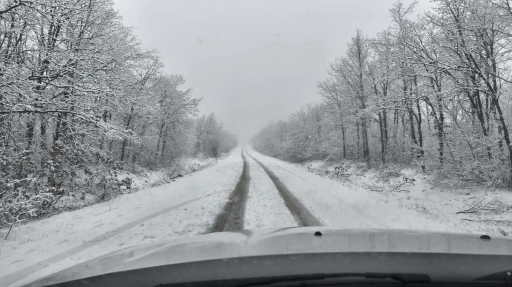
253, 62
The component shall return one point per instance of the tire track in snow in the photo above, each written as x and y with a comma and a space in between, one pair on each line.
231, 217
302, 215
265, 208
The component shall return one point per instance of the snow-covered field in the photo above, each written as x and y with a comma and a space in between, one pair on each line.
189, 206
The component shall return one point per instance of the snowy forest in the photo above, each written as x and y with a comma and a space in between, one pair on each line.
80, 100
433, 90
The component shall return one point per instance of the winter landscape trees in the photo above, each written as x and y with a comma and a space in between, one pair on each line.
434, 91
79, 99
210, 139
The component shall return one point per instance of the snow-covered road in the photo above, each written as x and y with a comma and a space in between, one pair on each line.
220, 197
265, 208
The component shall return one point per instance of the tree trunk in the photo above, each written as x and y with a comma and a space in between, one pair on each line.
343, 133
123, 148
396, 122
43, 144
413, 130
30, 133
160, 139
411, 115
421, 151
382, 121
358, 139
164, 144
382, 144
61, 129
506, 135
404, 127
344, 141
366, 146
385, 126
440, 125
125, 140
477, 107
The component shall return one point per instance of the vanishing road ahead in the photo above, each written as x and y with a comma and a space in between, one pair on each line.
244, 190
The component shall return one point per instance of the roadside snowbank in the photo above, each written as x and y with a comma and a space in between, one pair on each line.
139, 178
184, 207
144, 177
343, 205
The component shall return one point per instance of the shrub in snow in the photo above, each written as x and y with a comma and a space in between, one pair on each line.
126, 183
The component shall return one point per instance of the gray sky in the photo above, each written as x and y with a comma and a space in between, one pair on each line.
252, 62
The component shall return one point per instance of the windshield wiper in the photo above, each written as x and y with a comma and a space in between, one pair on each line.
404, 278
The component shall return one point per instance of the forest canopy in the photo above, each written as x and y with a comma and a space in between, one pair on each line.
433, 90
80, 99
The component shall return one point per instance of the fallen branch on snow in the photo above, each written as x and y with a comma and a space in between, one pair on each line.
8, 232
495, 222
480, 205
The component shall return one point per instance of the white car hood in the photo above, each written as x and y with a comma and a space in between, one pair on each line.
285, 241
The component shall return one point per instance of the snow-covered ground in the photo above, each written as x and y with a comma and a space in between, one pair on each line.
184, 207
454, 207
142, 178
189, 205
340, 205
264, 207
